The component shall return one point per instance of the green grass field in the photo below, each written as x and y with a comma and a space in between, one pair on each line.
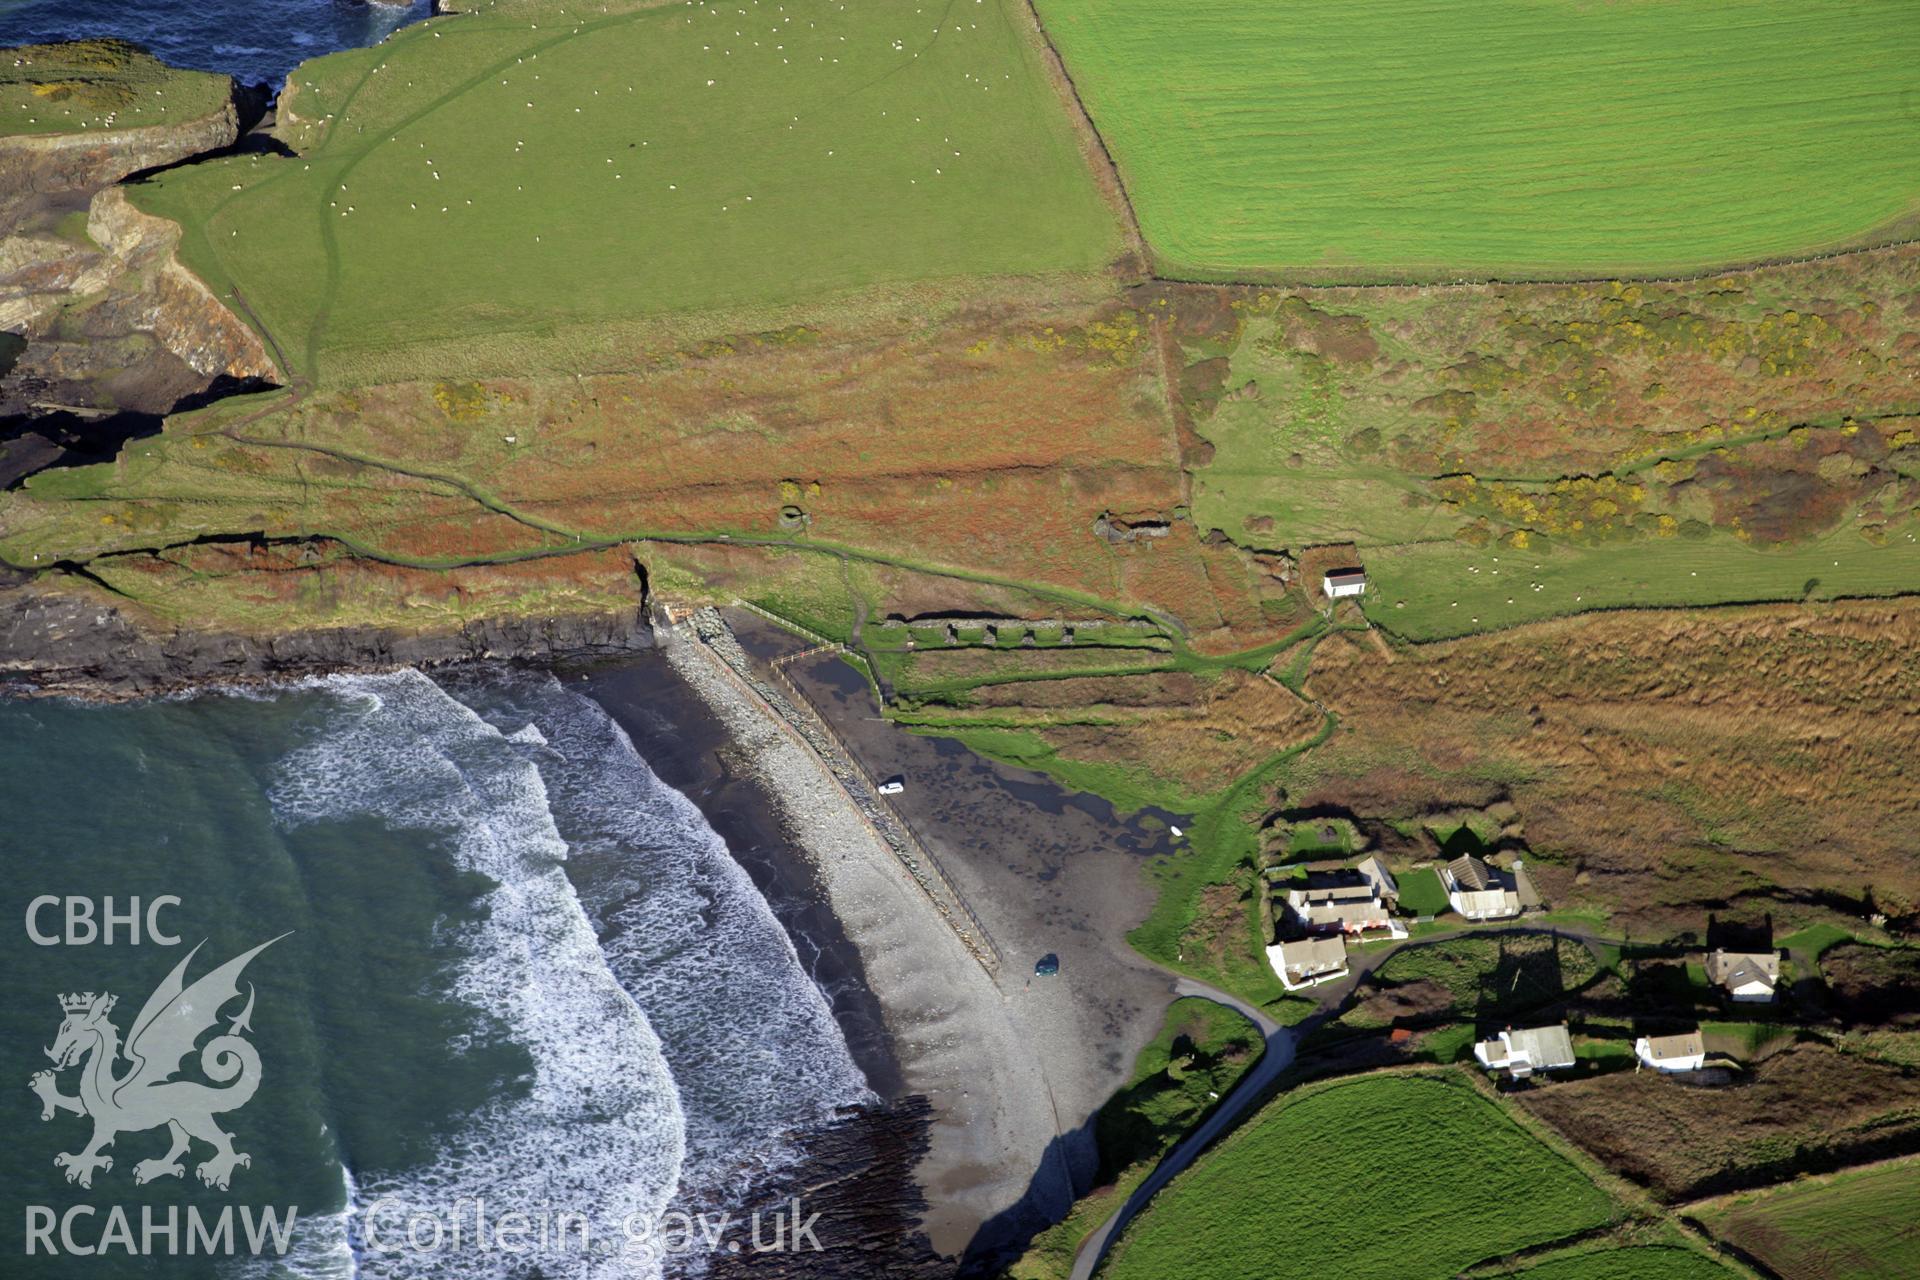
1387, 1176
99, 84
1637, 1262
1859, 1226
1202, 1049
1421, 892
1431, 138
499, 187
1436, 590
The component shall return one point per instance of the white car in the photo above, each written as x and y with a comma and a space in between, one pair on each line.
893, 786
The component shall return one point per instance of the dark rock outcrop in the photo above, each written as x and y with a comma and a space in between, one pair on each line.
116, 331
115, 322
35, 167
60, 642
856, 1174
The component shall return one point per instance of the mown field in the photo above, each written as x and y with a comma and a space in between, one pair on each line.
99, 84
1857, 1226
1414, 139
503, 181
1400, 1176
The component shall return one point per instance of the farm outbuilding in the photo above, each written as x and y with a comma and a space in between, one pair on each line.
1338, 584
1375, 871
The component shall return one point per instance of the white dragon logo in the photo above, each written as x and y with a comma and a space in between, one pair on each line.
146, 1096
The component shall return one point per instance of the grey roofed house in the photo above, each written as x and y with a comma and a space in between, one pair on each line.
1527, 1050
1315, 894
1311, 960
1472, 874
1751, 975
1346, 917
1376, 873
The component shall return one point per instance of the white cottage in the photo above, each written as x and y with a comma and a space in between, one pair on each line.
1521, 1053
1672, 1053
1747, 976
1308, 962
1477, 891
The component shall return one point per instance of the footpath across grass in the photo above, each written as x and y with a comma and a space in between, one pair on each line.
501, 185
1433, 138
1400, 1176
1441, 589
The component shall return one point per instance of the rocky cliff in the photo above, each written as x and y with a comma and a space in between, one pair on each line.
55, 641
71, 297
113, 324
38, 168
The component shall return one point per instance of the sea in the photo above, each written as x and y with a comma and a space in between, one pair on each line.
254, 41
519, 1011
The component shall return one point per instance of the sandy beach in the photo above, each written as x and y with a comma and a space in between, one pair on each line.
1012, 1067
954, 1035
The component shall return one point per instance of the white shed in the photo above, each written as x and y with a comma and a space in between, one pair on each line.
1339, 583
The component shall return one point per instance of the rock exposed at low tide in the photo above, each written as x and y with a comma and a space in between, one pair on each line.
58, 642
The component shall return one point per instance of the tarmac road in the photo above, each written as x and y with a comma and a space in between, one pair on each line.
1250, 1088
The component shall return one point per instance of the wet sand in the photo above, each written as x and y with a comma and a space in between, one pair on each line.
1049, 872
685, 744
1010, 1068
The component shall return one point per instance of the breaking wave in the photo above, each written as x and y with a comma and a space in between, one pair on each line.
752, 1041
676, 1039
599, 1130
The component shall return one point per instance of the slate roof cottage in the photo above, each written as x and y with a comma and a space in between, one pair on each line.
1477, 891
1747, 976
1521, 1053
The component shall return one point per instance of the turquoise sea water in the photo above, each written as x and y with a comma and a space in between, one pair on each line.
517, 970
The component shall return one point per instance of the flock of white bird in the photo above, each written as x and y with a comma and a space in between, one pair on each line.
778, 36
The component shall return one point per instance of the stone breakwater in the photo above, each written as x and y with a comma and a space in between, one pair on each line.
712, 630
957, 1040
